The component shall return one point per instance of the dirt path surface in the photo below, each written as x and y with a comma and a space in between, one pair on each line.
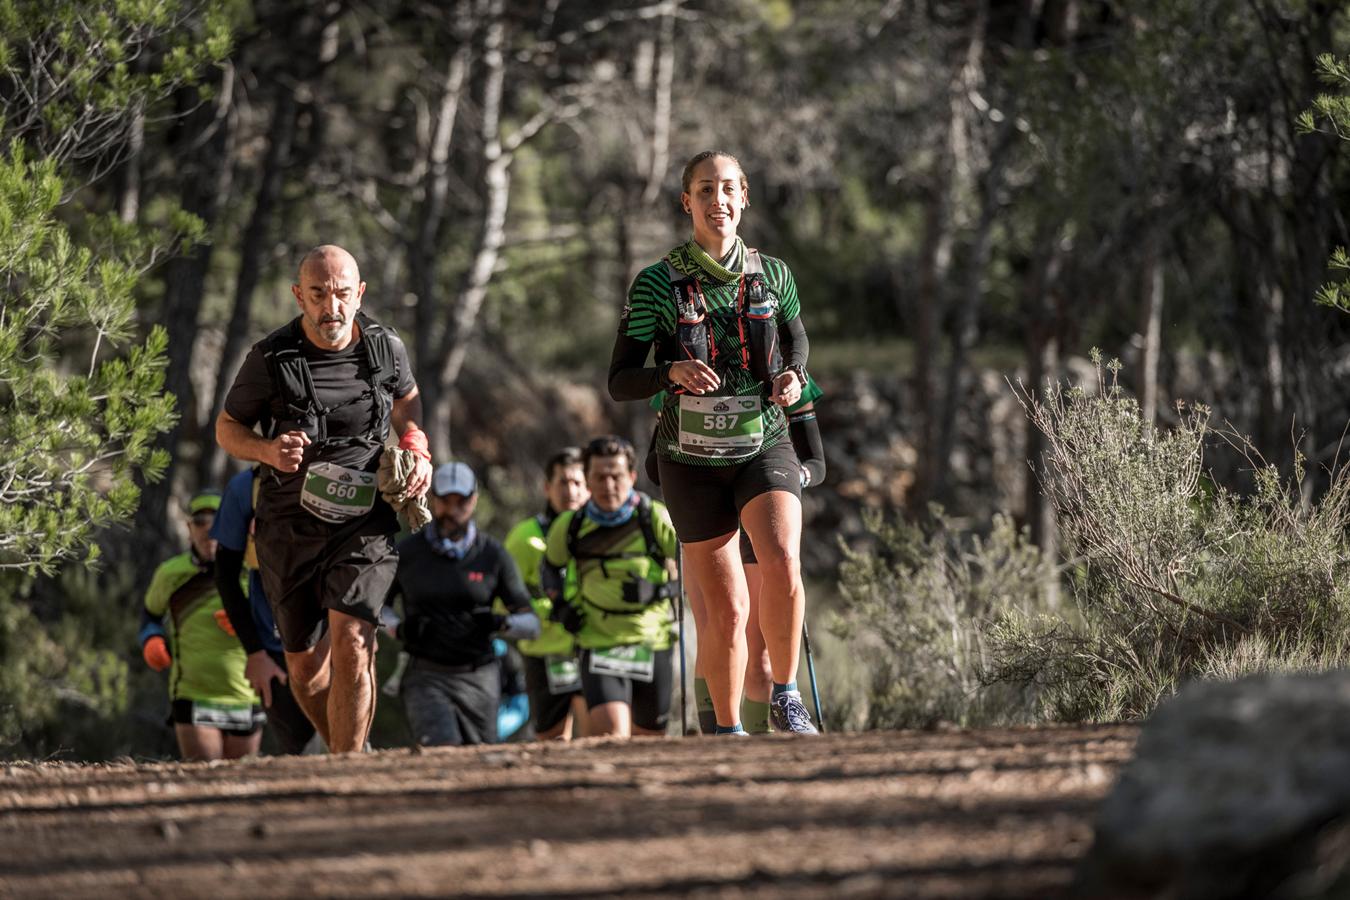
995, 813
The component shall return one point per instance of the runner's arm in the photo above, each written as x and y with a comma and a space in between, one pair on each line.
792, 338
520, 623
405, 416
630, 378
229, 563
805, 432
282, 452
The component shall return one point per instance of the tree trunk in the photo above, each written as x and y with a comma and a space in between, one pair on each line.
491, 234
206, 174
424, 249
253, 251
1151, 326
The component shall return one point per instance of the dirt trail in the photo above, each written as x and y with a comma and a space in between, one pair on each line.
994, 813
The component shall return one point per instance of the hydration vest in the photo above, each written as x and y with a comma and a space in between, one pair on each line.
756, 313
639, 592
293, 383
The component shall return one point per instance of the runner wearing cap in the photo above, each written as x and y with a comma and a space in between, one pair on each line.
214, 711
449, 575
557, 704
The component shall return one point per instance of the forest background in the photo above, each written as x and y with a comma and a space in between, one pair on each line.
972, 196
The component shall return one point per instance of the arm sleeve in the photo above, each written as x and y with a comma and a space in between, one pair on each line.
151, 626
510, 587
648, 314
805, 434
229, 564
630, 378
521, 626
792, 338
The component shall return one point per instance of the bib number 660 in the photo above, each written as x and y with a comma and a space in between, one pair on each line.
340, 491
719, 423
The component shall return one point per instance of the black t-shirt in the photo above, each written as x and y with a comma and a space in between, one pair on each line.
341, 381
447, 603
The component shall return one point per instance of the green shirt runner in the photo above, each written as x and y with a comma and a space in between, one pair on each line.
650, 315
609, 620
208, 664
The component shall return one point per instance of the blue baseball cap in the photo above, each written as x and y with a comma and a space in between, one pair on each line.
454, 478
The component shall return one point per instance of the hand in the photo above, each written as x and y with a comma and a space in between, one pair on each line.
787, 388
572, 618
420, 480
390, 621
223, 622
155, 652
694, 375
260, 670
287, 451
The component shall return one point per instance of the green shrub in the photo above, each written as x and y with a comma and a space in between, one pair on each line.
915, 610
1173, 577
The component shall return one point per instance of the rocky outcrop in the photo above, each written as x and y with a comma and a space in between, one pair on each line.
1237, 790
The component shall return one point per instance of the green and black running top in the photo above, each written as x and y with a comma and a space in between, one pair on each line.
208, 663
652, 318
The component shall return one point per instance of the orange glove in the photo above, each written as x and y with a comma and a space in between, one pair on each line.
223, 621
155, 652
415, 440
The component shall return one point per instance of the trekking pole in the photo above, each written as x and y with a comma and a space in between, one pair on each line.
811, 670
679, 617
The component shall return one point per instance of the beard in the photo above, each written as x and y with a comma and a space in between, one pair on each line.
451, 528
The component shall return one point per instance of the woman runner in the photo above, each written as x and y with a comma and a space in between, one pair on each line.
731, 352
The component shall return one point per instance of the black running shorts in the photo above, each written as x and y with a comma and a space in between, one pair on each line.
184, 712
650, 700
705, 501
309, 567
547, 709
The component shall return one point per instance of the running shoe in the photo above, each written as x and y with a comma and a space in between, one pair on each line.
788, 714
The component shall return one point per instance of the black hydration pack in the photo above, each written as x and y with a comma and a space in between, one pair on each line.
637, 592
755, 315
293, 383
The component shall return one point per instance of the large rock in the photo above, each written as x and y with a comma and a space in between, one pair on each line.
1237, 790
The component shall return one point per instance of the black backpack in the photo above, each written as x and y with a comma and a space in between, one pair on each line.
293, 383
640, 592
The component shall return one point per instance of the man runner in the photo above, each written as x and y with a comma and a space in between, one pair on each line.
551, 674
449, 575
623, 546
326, 388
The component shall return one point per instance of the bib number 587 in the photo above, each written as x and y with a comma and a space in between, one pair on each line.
719, 423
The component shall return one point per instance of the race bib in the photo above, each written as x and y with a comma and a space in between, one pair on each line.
336, 494
230, 718
721, 427
634, 661
564, 675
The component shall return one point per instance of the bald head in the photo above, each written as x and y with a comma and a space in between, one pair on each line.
329, 293
329, 259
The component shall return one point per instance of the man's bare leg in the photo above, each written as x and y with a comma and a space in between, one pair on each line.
238, 746
351, 693
613, 719
310, 674
198, 743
